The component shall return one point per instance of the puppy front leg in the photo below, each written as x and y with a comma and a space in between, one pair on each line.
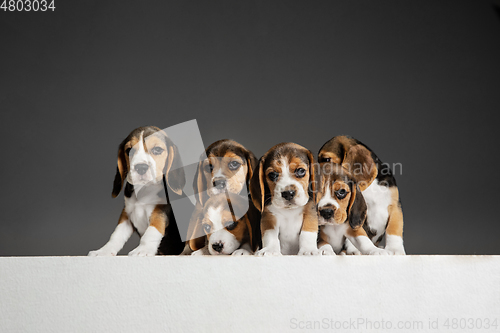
270, 244
270, 236
195, 238
245, 249
350, 249
323, 245
151, 239
308, 238
118, 238
187, 249
201, 252
360, 240
394, 231
307, 244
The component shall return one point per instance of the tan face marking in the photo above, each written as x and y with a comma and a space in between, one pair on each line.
340, 215
151, 151
231, 169
158, 150
354, 157
288, 173
328, 157
285, 165
335, 196
220, 226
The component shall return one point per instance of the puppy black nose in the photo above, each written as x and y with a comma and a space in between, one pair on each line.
288, 195
141, 168
220, 184
326, 213
217, 247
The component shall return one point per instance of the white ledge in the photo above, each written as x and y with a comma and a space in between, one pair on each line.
246, 294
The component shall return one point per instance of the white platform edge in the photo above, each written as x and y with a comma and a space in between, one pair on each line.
247, 294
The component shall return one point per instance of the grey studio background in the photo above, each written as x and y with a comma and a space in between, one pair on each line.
418, 82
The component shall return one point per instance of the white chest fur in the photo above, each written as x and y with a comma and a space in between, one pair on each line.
336, 235
378, 199
289, 224
139, 207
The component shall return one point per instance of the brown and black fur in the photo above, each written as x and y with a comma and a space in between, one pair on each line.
347, 152
220, 149
173, 180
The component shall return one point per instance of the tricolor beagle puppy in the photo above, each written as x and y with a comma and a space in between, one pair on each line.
342, 213
283, 189
377, 183
228, 167
148, 161
227, 226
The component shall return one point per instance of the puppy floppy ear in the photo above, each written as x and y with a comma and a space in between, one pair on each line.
357, 207
258, 186
360, 164
195, 236
199, 238
251, 164
174, 171
200, 184
322, 177
121, 170
312, 176
335, 149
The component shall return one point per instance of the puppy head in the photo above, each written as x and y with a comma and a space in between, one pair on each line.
225, 224
339, 199
354, 157
285, 177
145, 156
228, 166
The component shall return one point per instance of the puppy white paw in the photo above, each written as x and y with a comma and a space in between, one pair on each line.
241, 252
143, 251
327, 250
267, 251
353, 251
399, 251
102, 253
199, 252
310, 252
379, 252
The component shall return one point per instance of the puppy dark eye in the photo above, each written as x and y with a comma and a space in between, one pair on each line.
230, 225
273, 176
300, 172
326, 159
209, 167
341, 193
157, 150
127, 151
207, 228
233, 165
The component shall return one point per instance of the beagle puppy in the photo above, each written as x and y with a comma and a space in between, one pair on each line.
226, 224
226, 166
342, 213
148, 162
283, 189
378, 185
